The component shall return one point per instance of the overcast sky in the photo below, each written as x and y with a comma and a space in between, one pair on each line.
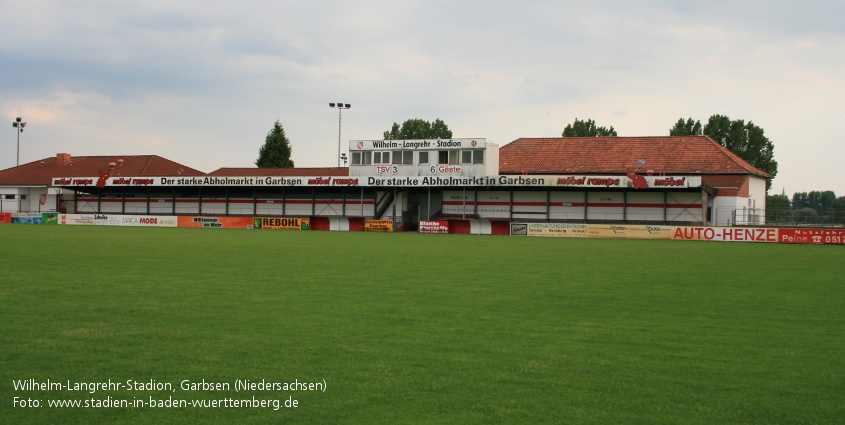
201, 82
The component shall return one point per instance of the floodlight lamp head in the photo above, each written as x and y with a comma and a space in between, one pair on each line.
23, 124
18, 119
347, 106
14, 124
331, 105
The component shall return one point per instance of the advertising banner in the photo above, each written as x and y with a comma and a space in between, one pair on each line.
580, 181
378, 225
50, 218
434, 226
561, 230
281, 223
216, 222
725, 234
117, 220
519, 229
630, 232
812, 236
27, 218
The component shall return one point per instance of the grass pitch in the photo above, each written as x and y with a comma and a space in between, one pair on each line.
409, 328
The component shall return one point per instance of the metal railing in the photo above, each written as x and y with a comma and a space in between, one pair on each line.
805, 217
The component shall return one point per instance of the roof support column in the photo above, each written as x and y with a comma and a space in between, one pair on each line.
585, 205
123, 200
475, 203
148, 200
464, 207
428, 213
510, 203
254, 201
394, 208
227, 200
362, 201
313, 201
199, 202
624, 206
665, 199
343, 205
284, 202
548, 206
173, 202
99, 199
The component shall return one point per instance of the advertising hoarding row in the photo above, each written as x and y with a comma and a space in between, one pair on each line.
568, 180
689, 233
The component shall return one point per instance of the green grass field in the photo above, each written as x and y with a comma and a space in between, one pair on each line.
409, 328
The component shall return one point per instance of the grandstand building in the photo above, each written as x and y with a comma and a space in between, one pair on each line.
472, 182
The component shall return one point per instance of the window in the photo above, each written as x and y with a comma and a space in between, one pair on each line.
23, 196
466, 157
423, 159
443, 157
478, 157
9, 196
381, 157
453, 157
367, 159
356, 158
403, 157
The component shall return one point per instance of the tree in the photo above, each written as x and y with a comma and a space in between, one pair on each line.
817, 200
276, 150
686, 128
419, 129
778, 209
748, 141
587, 129
838, 210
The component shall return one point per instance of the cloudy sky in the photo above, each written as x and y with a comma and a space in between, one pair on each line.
201, 82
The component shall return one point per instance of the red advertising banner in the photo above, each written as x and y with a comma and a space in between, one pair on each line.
434, 226
726, 234
216, 222
812, 236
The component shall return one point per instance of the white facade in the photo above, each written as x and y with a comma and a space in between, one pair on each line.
454, 157
29, 199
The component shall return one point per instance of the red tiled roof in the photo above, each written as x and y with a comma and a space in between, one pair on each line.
236, 172
43, 172
615, 155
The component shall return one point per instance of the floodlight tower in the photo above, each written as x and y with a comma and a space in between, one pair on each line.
340, 107
19, 126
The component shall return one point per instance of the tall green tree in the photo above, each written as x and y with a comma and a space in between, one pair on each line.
419, 129
686, 128
587, 128
747, 140
778, 209
276, 150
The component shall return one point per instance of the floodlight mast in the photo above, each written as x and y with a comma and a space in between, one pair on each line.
19, 129
340, 107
